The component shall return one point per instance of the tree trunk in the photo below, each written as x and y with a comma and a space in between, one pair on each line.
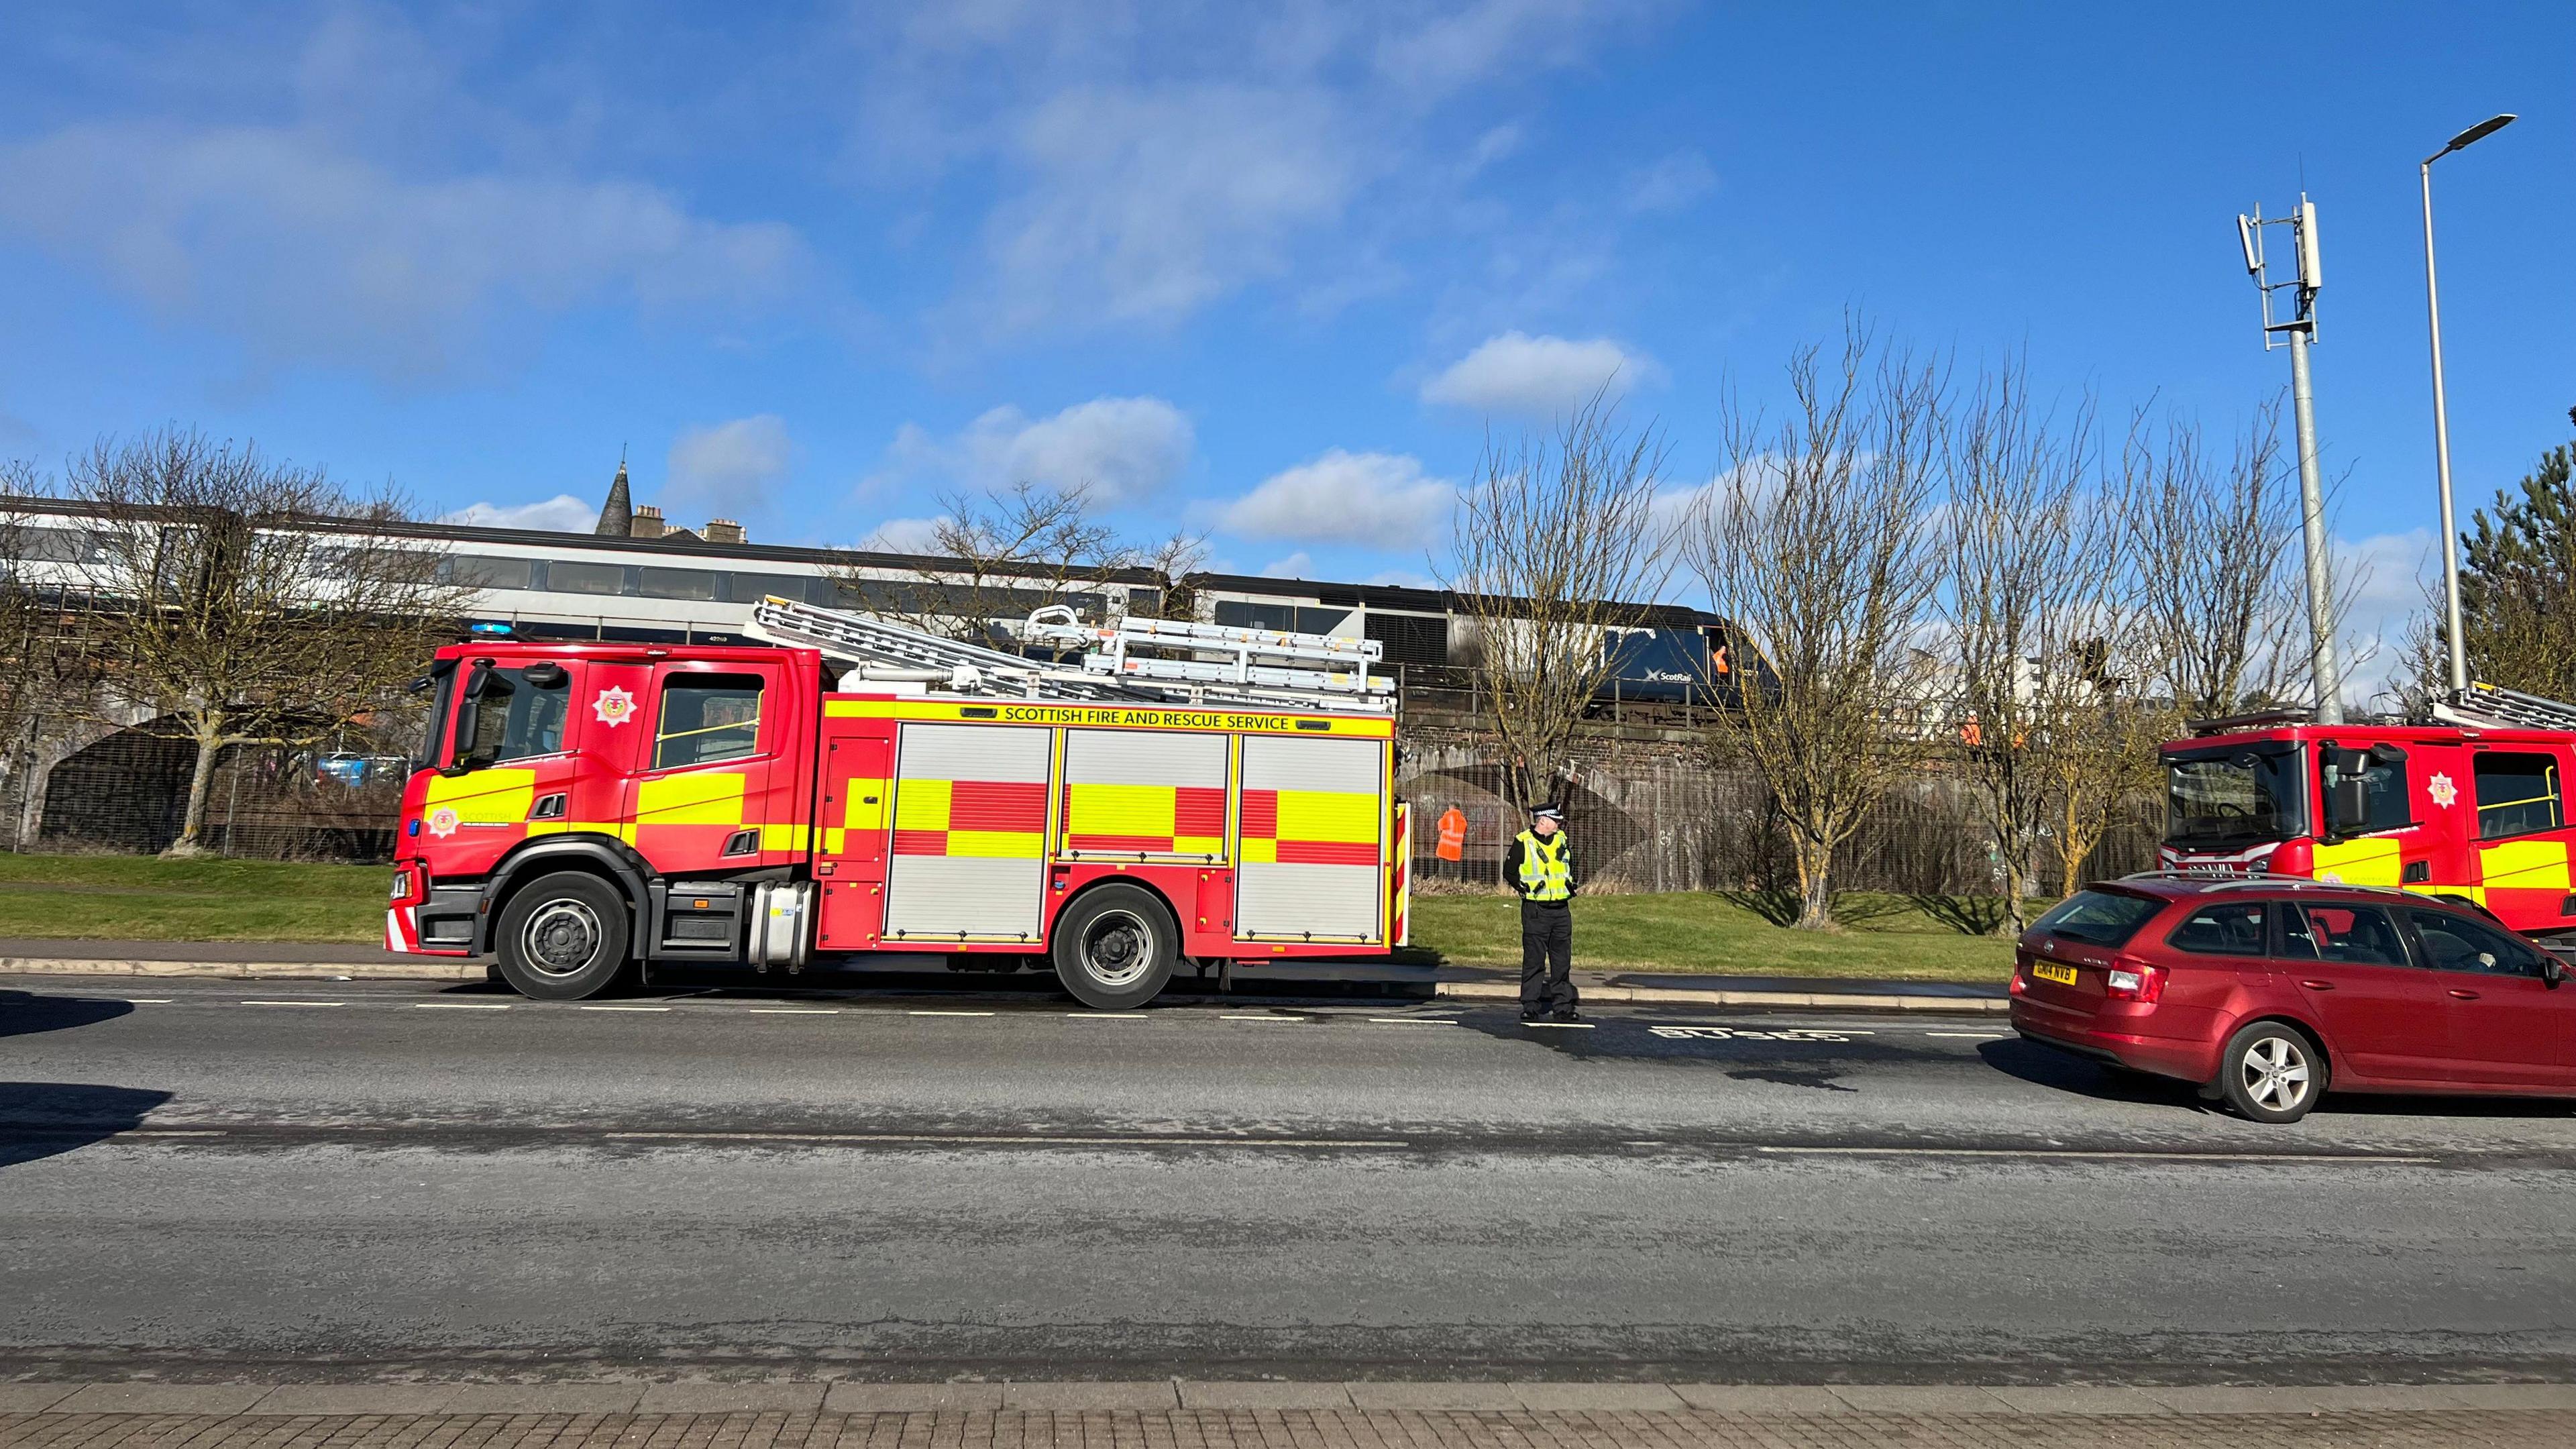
2070, 856
1815, 884
192, 825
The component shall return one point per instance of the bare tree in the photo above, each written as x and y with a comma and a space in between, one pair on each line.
1817, 546
995, 557
2031, 601
243, 601
1555, 544
2219, 601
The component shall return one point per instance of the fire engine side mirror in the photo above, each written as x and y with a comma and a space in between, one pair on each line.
2347, 805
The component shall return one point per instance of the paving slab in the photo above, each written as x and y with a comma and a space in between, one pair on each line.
849, 1398
150, 1398
2220, 1400
1263, 1394
1604, 1397
33, 1398
1920, 1399
2078, 1400
1434, 1396
1152, 1394
1760, 1399
355, 1399
713, 1396
2395, 1397
565, 1398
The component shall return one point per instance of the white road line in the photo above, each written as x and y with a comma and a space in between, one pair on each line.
460, 1006
295, 1003
1411, 1021
626, 1008
144, 1000
2044, 1153
1105, 1016
1005, 1140
1979, 1035
166, 1132
954, 1013
1253, 1016
1561, 1025
795, 1011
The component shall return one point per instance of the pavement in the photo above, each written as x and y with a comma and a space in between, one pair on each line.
230, 1183
256, 960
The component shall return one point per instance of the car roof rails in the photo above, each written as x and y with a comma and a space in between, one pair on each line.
2211, 882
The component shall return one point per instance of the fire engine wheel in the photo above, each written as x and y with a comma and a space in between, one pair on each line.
1115, 947
564, 937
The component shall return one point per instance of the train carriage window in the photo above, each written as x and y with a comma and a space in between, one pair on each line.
707, 718
676, 584
2517, 794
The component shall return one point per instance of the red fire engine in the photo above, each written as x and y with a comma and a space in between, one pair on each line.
1180, 792
2469, 804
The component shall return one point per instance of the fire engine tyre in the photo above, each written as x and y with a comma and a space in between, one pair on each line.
2271, 1072
564, 937
1115, 947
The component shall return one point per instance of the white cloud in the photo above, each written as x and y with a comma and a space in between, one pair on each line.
1125, 449
2386, 573
562, 513
1672, 183
307, 252
1369, 500
905, 535
1142, 205
1297, 565
1539, 376
728, 467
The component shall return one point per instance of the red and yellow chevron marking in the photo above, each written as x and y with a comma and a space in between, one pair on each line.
1147, 819
1310, 827
982, 819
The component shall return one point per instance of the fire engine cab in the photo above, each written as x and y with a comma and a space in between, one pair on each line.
1121, 799
2469, 805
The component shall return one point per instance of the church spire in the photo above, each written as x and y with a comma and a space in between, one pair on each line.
617, 515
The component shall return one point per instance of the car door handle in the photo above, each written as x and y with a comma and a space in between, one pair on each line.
2464, 995
2318, 985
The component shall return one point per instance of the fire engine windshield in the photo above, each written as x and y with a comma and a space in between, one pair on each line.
2226, 799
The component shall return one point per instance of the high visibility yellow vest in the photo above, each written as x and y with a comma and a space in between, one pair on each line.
1544, 874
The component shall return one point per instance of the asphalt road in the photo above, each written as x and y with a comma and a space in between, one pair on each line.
204, 1178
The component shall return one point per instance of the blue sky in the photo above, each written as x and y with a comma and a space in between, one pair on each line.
1266, 271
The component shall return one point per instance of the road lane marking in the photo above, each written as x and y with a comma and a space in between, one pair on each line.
295, 1003
2089, 1155
1978, 1035
626, 1008
800, 1011
1411, 1021
1105, 1016
460, 1006
954, 1013
1561, 1025
1006, 1139
1261, 1016
168, 1132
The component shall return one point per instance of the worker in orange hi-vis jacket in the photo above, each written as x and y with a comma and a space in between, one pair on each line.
1541, 867
1453, 835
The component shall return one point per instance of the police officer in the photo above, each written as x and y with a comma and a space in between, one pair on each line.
1541, 865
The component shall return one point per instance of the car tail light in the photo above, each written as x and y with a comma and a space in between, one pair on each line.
2130, 979
411, 886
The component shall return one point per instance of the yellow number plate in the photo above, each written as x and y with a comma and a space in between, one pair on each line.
2058, 972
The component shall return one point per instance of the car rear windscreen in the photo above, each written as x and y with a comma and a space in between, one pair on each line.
2099, 918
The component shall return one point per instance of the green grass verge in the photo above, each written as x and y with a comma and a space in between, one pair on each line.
1884, 936
103, 897
138, 898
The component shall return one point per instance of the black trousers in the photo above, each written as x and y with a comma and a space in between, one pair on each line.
1547, 957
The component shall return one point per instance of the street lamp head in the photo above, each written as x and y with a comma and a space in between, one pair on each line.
2479, 132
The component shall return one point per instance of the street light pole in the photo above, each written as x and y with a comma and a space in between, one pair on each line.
2442, 416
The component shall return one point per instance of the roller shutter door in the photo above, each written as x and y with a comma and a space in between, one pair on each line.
970, 820
1144, 795
1313, 837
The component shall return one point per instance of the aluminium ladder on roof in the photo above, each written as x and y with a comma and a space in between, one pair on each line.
1271, 661
2493, 708
973, 668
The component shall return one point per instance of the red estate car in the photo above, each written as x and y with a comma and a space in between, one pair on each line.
2265, 990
